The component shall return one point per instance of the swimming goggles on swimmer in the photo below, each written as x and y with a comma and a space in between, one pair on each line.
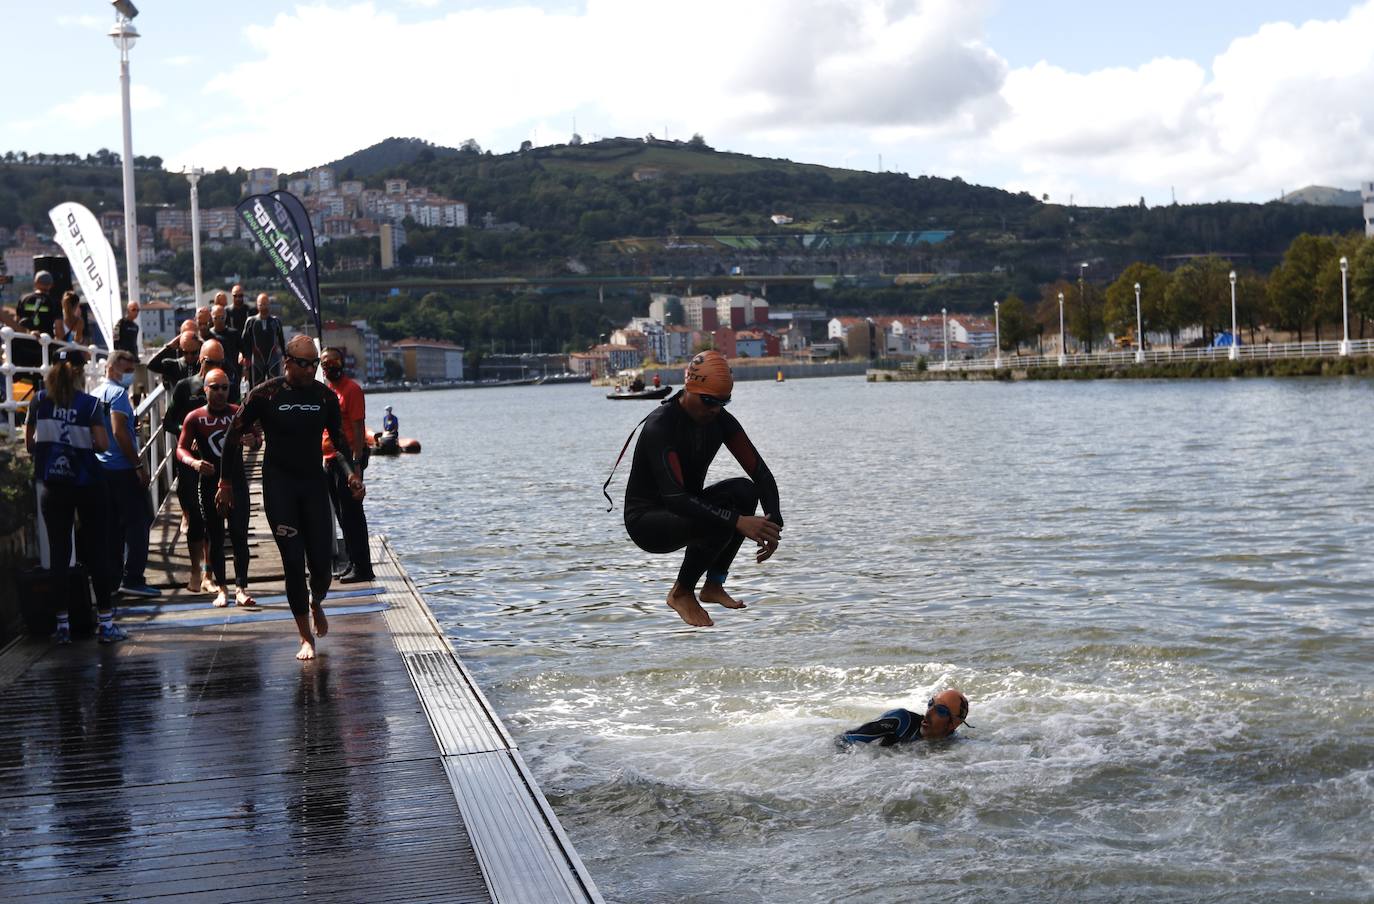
942, 710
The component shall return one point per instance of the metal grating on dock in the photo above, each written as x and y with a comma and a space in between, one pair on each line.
199, 761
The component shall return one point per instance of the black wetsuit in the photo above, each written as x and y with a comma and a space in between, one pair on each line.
188, 395
126, 335
295, 490
230, 339
202, 437
667, 506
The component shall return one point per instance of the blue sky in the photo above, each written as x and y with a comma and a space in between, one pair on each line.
1102, 102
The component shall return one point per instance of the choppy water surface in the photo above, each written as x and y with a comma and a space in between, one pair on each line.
1157, 596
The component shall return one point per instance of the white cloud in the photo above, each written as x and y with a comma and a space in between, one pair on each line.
101, 23
78, 114
714, 66
1282, 108
181, 60
836, 81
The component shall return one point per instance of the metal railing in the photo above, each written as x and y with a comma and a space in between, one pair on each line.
159, 450
1117, 358
32, 375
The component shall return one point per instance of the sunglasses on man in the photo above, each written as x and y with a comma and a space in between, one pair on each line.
307, 363
711, 401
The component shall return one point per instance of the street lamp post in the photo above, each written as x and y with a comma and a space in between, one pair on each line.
193, 177
1235, 350
944, 334
124, 35
1139, 334
1345, 311
1061, 329
997, 320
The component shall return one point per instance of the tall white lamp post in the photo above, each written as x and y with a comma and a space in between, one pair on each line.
997, 321
1235, 349
1139, 335
1083, 302
1061, 329
944, 334
124, 35
1345, 311
193, 177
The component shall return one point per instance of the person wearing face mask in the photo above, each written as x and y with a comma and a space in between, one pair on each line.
349, 511
126, 478
945, 712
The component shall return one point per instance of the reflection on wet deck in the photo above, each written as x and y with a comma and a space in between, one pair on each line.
200, 761
207, 763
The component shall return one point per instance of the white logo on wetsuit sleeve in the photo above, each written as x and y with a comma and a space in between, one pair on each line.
297, 406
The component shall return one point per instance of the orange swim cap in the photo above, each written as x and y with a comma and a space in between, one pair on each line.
709, 374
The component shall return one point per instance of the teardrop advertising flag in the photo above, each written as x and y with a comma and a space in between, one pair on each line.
92, 259
280, 225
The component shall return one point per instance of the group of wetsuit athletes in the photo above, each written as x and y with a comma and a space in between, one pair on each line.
668, 507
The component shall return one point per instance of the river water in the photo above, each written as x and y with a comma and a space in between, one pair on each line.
1158, 596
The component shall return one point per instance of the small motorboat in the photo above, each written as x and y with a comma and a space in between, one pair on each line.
657, 392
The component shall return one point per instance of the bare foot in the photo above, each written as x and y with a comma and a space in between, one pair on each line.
221, 599
243, 599
208, 585
712, 592
194, 582
307, 650
684, 603
321, 623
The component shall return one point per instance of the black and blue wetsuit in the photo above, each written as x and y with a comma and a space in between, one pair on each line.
667, 505
895, 726
295, 489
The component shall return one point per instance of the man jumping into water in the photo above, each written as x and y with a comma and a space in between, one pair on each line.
945, 712
666, 507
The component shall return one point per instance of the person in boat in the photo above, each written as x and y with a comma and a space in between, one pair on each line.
637, 384
657, 382
945, 712
667, 507
390, 424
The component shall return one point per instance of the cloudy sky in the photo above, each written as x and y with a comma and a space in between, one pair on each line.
1205, 99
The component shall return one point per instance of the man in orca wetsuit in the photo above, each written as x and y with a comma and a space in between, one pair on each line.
294, 410
201, 450
945, 712
666, 505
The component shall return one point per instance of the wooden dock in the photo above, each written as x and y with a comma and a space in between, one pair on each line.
200, 761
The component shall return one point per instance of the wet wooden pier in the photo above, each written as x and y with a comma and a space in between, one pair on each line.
200, 761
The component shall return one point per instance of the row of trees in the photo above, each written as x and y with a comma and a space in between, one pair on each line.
1302, 296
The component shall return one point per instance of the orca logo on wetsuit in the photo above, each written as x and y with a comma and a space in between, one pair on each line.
297, 406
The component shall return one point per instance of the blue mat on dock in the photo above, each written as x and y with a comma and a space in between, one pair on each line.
233, 615
155, 608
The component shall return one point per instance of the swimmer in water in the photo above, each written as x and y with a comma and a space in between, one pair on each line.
945, 712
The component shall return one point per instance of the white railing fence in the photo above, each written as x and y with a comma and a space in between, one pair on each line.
158, 450
1117, 357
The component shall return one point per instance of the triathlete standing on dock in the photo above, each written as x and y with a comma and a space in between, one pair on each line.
666, 507
200, 449
293, 411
